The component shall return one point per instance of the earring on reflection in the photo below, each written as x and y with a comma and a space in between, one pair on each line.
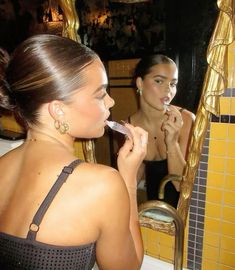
62, 127
139, 91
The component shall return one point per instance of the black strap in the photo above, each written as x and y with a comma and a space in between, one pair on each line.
34, 226
181, 109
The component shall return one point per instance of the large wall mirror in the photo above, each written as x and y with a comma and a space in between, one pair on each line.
117, 30
183, 33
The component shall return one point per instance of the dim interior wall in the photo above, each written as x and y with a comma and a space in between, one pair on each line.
120, 74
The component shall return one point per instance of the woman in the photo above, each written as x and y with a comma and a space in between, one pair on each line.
57, 212
169, 127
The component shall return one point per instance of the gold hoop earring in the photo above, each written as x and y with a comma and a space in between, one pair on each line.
62, 127
57, 124
139, 91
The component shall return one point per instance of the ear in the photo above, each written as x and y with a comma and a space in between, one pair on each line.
55, 109
139, 83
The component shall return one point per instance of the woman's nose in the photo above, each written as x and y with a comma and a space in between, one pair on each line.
109, 101
168, 87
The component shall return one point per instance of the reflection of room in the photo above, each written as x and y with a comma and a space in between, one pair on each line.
180, 29
120, 31
20, 19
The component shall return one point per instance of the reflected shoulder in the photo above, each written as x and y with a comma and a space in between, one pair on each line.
186, 114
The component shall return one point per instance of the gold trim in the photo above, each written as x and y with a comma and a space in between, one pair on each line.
70, 20
177, 225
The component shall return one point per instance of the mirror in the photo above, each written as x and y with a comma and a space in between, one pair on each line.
186, 45
42, 15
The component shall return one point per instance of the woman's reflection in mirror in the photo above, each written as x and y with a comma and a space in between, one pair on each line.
169, 127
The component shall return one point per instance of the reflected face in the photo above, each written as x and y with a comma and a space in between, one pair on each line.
89, 109
159, 85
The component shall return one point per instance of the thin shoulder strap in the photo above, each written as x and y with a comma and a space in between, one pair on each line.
34, 226
181, 109
129, 119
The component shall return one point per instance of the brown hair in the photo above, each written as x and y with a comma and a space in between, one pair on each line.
41, 69
146, 63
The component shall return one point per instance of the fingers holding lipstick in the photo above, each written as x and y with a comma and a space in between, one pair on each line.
174, 115
172, 125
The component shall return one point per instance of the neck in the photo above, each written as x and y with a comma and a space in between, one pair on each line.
64, 140
150, 114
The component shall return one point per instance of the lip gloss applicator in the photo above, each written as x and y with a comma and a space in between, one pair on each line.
167, 105
119, 128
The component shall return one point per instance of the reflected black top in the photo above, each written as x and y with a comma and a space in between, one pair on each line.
28, 254
155, 170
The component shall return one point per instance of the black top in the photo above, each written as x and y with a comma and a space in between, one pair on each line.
155, 170
28, 254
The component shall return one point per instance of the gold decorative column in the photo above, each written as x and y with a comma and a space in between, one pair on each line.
213, 87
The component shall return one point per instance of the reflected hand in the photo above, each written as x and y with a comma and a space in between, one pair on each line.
172, 126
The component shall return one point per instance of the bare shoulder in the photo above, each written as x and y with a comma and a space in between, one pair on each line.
188, 116
100, 177
10, 160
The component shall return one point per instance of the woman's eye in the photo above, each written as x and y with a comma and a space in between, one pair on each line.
102, 96
173, 84
159, 81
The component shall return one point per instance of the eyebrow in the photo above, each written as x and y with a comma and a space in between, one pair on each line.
101, 87
164, 77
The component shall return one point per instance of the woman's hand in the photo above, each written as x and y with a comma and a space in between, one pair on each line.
131, 154
172, 126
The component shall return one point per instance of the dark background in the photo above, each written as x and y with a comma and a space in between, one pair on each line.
180, 29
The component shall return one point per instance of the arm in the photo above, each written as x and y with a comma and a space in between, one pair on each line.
120, 243
177, 136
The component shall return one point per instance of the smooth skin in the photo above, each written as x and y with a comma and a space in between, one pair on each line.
169, 129
97, 203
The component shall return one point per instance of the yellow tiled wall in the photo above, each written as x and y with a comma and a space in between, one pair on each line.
219, 233
161, 246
